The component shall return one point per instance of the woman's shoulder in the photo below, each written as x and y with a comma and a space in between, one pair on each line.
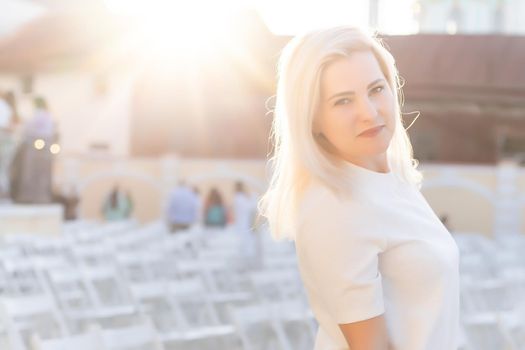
329, 219
314, 194
319, 195
319, 202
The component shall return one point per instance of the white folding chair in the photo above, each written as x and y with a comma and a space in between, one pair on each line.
27, 314
483, 331
492, 295
297, 321
258, 330
92, 294
198, 312
512, 326
152, 299
137, 266
164, 308
21, 276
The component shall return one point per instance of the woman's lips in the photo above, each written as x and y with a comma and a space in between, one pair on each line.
372, 132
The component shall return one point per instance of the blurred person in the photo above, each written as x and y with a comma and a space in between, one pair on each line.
10, 98
215, 213
380, 270
7, 121
6, 113
183, 208
198, 198
244, 206
118, 205
68, 197
32, 165
41, 125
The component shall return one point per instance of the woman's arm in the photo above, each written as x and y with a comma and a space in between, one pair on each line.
338, 247
369, 334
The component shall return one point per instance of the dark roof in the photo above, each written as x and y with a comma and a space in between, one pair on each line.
483, 68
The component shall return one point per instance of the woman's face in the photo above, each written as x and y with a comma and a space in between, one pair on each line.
355, 97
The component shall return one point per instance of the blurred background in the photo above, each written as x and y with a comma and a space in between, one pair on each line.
134, 138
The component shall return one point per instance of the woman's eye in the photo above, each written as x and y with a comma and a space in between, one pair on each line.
342, 101
378, 88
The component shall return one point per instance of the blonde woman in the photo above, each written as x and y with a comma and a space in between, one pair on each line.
379, 268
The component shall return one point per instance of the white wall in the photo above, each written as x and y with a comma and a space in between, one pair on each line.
84, 117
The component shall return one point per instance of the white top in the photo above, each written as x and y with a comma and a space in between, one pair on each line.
244, 206
382, 251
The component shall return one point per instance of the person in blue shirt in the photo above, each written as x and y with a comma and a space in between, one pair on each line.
183, 208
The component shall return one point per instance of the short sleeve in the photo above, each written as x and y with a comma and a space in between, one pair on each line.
337, 248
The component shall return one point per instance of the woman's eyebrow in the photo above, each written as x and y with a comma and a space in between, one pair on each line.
344, 93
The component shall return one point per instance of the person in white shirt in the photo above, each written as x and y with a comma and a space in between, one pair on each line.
6, 144
198, 198
6, 114
380, 269
244, 205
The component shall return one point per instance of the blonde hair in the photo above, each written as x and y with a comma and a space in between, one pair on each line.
298, 157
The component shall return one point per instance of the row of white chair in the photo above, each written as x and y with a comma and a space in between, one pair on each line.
196, 289
194, 282
492, 275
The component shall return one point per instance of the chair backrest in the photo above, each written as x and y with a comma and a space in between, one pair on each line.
65, 275
93, 253
138, 266
273, 285
49, 262
87, 341
148, 290
133, 337
27, 306
247, 316
188, 287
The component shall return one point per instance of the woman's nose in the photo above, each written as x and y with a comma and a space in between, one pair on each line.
367, 109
